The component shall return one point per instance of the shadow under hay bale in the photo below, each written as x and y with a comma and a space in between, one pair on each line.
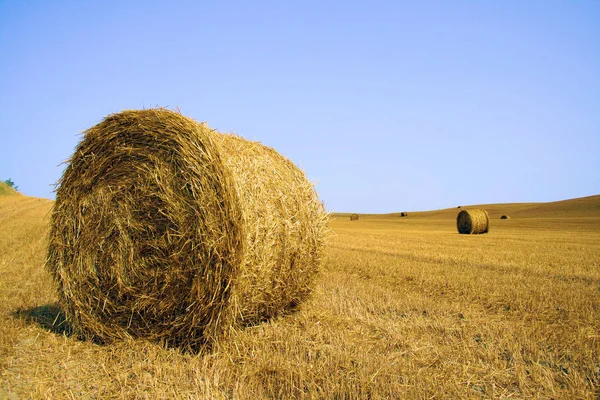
505, 217
354, 217
49, 317
473, 221
166, 230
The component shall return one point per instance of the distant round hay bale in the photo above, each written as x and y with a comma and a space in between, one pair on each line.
166, 230
459, 207
505, 217
354, 217
473, 221
404, 214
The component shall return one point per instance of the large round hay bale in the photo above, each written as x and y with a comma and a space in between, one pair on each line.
354, 217
473, 221
167, 230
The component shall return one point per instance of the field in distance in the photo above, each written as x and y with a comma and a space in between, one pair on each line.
404, 308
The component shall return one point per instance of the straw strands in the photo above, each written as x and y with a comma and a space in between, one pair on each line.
473, 221
167, 230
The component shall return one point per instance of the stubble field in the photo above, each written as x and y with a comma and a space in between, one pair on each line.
404, 308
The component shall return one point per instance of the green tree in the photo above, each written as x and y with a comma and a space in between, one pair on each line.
10, 183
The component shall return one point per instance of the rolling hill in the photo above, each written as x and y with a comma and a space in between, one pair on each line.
579, 207
6, 190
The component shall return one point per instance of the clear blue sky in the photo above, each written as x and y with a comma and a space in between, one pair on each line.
387, 106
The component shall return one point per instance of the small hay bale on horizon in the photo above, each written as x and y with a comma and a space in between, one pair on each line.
505, 217
473, 221
403, 214
166, 230
354, 217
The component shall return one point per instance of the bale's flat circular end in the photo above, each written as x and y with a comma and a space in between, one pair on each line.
146, 230
473, 221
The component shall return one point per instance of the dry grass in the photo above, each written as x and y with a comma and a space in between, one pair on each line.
403, 309
166, 230
6, 190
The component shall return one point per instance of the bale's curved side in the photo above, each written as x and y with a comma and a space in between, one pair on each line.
473, 221
284, 222
166, 230
354, 217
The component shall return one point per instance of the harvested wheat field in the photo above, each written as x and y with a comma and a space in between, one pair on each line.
403, 308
